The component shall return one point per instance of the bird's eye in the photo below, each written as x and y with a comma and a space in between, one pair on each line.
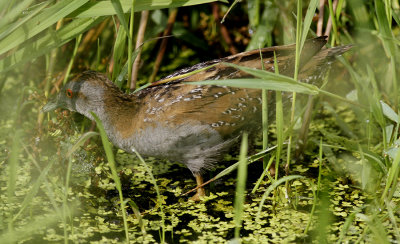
69, 93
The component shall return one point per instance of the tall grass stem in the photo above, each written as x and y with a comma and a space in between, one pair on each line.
241, 186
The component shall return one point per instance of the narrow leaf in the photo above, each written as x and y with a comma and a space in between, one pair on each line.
307, 21
118, 9
254, 83
39, 23
105, 8
46, 43
389, 112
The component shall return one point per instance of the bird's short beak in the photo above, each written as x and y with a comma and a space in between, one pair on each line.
50, 106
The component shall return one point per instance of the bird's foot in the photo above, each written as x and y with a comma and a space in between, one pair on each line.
199, 195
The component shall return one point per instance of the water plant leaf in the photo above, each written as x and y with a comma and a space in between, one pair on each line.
389, 112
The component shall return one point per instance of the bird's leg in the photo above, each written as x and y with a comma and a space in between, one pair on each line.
200, 191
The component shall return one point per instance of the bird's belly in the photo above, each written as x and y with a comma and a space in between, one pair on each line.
183, 143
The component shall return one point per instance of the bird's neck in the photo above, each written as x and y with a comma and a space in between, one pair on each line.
117, 114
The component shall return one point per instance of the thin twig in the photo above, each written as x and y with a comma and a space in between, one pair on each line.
111, 63
140, 37
320, 23
329, 24
92, 36
223, 29
163, 46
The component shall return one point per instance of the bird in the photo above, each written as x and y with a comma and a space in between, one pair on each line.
185, 122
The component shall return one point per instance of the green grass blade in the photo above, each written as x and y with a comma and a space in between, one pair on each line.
271, 160
105, 8
241, 186
263, 33
13, 166
66, 210
35, 188
360, 13
264, 123
279, 122
272, 187
229, 10
124, 71
319, 166
254, 83
254, 12
386, 35
384, 27
5, 30
315, 191
346, 226
136, 211
375, 224
324, 218
119, 51
118, 9
130, 47
47, 42
110, 158
39, 23
49, 191
315, 196
159, 198
312, 6
273, 76
299, 23
392, 176
80, 142
335, 37
14, 12
339, 9
71, 61
393, 220
250, 160
279, 129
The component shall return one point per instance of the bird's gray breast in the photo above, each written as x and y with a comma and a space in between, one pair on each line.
192, 144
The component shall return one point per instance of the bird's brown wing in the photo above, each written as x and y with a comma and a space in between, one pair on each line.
259, 59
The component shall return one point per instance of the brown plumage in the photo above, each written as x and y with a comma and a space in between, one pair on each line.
192, 124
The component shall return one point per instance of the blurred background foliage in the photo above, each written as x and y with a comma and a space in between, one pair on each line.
45, 43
